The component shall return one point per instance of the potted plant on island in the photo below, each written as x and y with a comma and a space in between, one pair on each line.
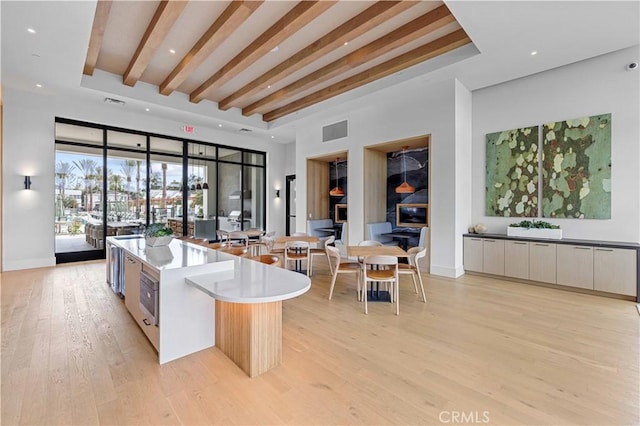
157, 234
534, 229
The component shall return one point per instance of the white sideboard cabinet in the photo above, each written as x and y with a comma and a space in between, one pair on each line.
591, 265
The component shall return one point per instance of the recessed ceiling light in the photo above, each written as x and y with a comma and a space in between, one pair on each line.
272, 137
31, 30
38, 85
533, 53
346, 42
147, 109
219, 125
275, 49
172, 51
269, 87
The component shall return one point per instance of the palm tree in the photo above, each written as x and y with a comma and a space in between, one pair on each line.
87, 169
63, 171
127, 168
98, 179
115, 184
164, 185
138, 162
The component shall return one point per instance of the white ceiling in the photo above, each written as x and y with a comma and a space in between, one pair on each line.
504, 33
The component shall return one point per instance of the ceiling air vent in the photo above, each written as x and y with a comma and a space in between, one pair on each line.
334, 131
114, 101
244, 129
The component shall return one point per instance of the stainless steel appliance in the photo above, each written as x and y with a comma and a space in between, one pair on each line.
115, 268
149, 297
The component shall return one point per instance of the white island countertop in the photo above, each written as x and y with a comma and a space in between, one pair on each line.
177, 254
251, 282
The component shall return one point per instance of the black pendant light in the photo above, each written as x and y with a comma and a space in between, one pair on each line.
404, 187
193, 185
199, 185
205, 185
337, 191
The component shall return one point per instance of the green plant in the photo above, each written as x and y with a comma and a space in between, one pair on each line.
540, 224
157, 230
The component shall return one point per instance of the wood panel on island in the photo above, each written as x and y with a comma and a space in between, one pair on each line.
601, 267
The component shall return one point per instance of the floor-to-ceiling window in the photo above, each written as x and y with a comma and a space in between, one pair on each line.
112, 181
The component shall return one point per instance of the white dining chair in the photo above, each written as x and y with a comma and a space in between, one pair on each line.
297, 251
376, 269
339, 267
413, 268
317, 251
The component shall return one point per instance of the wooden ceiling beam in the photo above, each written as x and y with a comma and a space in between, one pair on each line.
430, 50
421, 26
166, 15
303, 13
372, 17
97, 32
235, 14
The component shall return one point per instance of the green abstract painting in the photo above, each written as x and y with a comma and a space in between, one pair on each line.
512, 173
576, 168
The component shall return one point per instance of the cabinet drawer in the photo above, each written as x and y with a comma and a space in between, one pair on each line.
542, 262
575, 266
615, 271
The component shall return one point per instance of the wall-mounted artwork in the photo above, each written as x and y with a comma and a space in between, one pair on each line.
576, 168
512, 173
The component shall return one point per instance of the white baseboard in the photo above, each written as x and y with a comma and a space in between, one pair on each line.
446, 271
15, 265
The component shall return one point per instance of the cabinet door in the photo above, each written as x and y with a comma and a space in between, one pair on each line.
575, 266
493, 256
542, 262
132, 268
615, 271
473, 254
516, 259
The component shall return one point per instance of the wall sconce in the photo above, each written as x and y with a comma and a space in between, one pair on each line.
27, 182
277, 193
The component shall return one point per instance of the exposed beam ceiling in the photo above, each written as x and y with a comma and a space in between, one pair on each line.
270, 58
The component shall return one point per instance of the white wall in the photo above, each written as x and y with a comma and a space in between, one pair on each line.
409, 109
463, 111
596, 86
28, 234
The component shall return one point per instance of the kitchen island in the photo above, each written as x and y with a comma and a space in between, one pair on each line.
245, 320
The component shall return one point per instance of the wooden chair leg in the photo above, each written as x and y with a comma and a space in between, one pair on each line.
415, 284
333, 283
424, 297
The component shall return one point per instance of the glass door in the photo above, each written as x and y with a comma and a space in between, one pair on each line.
78, 206
291, 204
125, 183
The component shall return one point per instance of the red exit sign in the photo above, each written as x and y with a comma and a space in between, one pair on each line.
188, 129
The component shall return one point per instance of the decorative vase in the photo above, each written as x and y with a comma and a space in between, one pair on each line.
158, 241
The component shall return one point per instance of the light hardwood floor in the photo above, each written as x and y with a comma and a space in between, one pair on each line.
491, 350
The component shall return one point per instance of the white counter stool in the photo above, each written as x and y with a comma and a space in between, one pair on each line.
267, 259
